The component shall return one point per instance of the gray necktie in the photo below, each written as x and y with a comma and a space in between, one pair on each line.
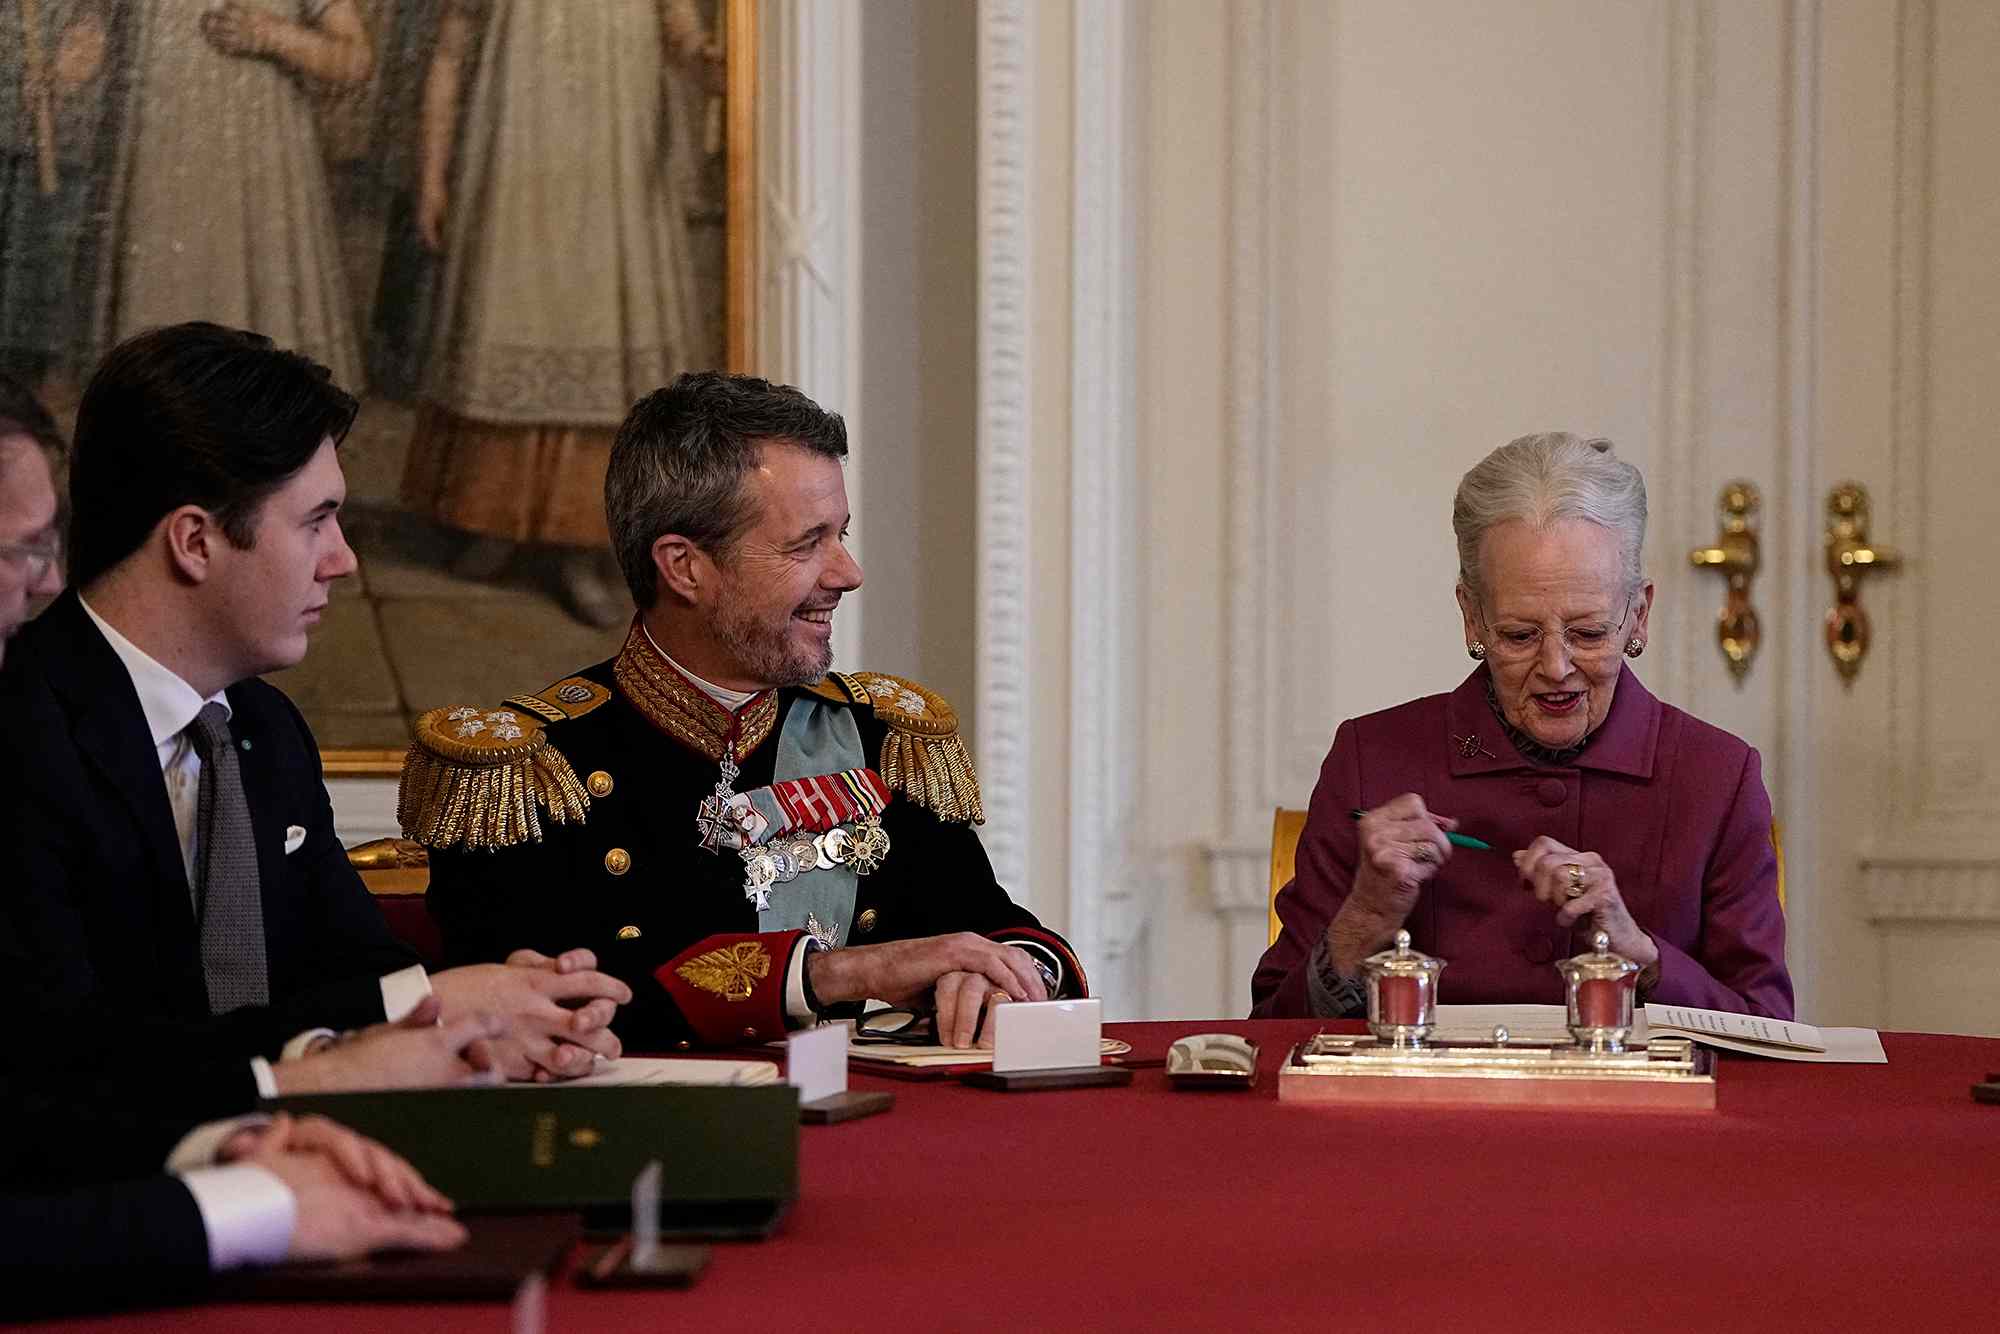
229, 898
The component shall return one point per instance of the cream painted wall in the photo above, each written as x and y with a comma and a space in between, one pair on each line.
1378, 240
918, 290
1370, 243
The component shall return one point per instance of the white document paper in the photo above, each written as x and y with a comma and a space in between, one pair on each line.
632, 1071
917, 1055
1524, 1023
1689, 1022
1779, 1039
816, 1062
1784, 1039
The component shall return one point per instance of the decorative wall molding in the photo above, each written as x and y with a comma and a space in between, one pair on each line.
1797, 654
808, 167
1908, 613
1251, 734
1106, 918
363, 809
1682, 448
1002, 669
1917, 888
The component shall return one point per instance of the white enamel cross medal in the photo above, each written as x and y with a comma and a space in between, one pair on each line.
711, 818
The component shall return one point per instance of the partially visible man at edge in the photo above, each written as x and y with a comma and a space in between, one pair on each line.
747, 841
105, 1205
162, 919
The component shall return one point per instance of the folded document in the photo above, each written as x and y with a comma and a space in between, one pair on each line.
635, 1071
1784, 1039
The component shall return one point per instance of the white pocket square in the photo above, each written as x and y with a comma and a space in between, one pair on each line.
295, 837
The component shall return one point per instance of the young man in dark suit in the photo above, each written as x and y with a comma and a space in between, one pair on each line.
178, 900
109, 1202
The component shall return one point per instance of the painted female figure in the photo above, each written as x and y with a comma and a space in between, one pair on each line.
218, 206
565, 290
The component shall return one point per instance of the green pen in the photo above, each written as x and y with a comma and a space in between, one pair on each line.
1456, 840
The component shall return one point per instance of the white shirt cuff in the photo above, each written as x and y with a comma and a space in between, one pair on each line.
796, 1009
199, 1147
267, 1083
403, 990
302, 1044
247, 1211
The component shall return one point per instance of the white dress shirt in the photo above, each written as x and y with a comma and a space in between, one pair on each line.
247, 1212
170, 706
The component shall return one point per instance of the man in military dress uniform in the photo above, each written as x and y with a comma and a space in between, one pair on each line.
747, 841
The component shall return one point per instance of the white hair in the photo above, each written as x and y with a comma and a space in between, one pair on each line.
1542, 479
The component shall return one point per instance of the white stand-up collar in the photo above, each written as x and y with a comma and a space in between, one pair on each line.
731, 700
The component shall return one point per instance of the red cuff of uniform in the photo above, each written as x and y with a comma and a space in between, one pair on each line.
731, 987
1075, 985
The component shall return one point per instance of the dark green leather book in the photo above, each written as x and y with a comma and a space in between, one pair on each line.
729, 1156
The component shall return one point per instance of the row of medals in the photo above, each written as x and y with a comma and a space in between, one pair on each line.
861, 845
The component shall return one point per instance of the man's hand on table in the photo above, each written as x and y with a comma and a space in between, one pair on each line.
362, 1162
414, 1052
961, 975
352, 1195
560, 1010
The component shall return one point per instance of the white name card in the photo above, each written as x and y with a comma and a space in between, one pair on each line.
1046, 1035
816, 1061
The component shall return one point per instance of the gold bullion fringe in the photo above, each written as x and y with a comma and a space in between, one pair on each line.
445, 805
935, 772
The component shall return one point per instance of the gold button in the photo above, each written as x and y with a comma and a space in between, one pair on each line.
618, 861
683, 1045
750, 1033
866, 922
600, 784
628, 933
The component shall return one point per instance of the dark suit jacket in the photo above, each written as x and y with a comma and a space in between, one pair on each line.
87, 1217
1675, 807
127, 1243
98, 939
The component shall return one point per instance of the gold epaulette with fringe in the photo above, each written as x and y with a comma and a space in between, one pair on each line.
484, 778
923, 756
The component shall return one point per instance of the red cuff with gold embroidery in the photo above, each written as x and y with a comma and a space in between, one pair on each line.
1071, 984
731, 987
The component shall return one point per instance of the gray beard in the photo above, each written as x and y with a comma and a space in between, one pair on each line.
769, 658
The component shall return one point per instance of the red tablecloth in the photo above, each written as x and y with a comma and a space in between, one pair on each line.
1814, 1197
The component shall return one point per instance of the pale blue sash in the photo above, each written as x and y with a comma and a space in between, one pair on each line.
817, 738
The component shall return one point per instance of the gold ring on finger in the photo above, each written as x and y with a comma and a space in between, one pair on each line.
1424, 854
1576, 879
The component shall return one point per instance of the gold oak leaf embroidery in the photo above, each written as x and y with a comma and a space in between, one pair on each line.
730, 973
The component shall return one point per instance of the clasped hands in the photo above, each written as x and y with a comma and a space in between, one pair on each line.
962, 976
351, 1195
531, 1018
1403, 846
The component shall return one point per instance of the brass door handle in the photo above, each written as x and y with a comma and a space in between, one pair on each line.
1735, 555
1849, 555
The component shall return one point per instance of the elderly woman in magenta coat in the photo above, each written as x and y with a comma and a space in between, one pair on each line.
1607, 810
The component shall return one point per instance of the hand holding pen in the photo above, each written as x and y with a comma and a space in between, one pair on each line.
1450, 829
